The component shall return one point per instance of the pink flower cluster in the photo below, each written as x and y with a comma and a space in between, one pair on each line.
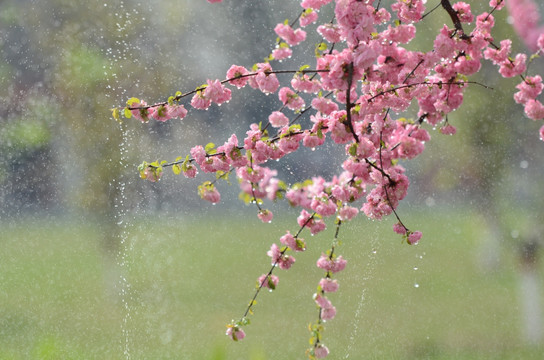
268, 281
356, 89
235, 332
529, 90
213, 92
141, 111
289, 35
280, 258
526, 18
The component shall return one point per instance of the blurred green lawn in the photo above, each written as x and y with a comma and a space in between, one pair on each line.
60, 296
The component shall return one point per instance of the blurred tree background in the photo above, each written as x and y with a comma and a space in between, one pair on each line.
64, 64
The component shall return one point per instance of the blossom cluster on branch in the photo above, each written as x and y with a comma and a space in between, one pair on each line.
360, 75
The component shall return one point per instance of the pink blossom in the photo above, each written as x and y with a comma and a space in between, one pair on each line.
321, 351
414, 237
499, 4
322, 301
289, 140
444, 45
234, 332
498, 56
399, 228
540, 42
403, 33
525, 16
217, 92
268, 281
214, 1
467, 66
280, 258
347, 213
152, 174
165, 112
177, 111
328, 313
484, 23
463, 12
208, 192
295, 244
330, 32
265, 216
142, 112
534, 110
199, 101
315, 224
303, 83
233, 154
366, 54
340, 132
199, 154
542, 133
253, 174
409, 147
308, 17
290, 36
324, 105
282, 52
409, 10
190, 171
328, 285
253, 135
335, 265
448, 130
289, 98
234, 73
356, 20
314, 4
323, 205
514, 68
265, 80
312, 140
529, 89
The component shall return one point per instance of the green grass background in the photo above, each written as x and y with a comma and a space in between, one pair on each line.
61, 297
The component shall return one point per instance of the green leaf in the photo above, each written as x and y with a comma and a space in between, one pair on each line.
245, 197
178, 94
176, 168
133, 101
271, 284
209, 147
115, 113
185, 165
353, 150
294, 128
127, 113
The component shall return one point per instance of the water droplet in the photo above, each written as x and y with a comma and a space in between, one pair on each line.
415, 268
416, 285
